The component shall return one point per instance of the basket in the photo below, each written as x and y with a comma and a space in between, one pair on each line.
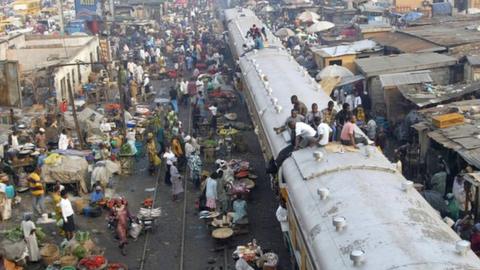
68, 260
50, 253
222, 233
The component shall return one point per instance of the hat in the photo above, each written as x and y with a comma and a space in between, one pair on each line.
187, 138
41, 130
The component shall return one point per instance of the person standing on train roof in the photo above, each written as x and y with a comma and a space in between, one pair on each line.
298, 105
293, 116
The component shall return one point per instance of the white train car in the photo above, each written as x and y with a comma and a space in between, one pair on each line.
349, 210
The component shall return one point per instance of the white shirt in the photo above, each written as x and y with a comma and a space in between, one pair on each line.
282, 217
66, 207
170, 157
63, 142
357, 102
184, 87
349, 100
15, 144
324, 130
211, 189
213, 109
304, 130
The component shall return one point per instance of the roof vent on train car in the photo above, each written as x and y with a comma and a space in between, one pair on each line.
358, 257
407, 185
462, 246
274, 101
255, 51
269, 91
323, 193
278, 108
339, 223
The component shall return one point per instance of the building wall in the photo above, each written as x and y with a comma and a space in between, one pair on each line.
471, 73
439, 76
16, 41
68, 75
69, 41
348, 61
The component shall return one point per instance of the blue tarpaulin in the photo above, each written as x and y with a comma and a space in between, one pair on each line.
412, 16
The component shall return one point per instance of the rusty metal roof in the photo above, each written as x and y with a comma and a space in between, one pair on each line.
406, 78
448, 33
463, 139
403, 42
375, 66
418, 95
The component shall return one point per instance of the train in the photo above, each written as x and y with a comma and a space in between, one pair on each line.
346, 210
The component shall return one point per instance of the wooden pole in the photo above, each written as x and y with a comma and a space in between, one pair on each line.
75, 119
120, 80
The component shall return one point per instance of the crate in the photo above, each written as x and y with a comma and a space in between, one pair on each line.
448, 120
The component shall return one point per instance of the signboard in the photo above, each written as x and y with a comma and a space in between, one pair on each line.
10, 92
88, 10
104, 50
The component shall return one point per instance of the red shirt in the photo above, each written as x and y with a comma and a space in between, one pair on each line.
63, 106
475, 242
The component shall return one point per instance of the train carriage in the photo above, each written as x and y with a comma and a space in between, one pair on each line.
347, 210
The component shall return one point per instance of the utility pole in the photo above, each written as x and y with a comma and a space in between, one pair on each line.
120, 79
62, 23
75, 119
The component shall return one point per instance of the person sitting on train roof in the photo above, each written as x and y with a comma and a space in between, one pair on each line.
347, 136
298, 105
310, 117
293, 116
323, 131
304, 134
342, 116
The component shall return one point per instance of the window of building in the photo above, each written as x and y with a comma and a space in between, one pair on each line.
335, 62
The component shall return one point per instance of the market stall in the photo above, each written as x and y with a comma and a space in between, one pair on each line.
67, 170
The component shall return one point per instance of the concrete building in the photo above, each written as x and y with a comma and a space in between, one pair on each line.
440, 67
471, 68
60, 57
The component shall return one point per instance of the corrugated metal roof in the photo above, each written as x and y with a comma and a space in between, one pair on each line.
405, 78
353, 48
403, 42
448, 33
375, 66
420, 97
462, 139
473, 60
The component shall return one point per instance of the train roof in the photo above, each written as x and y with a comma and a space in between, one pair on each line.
396, 229
239, 21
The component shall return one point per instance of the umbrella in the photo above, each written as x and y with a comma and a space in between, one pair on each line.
333, 71
284, 32
308, 16
320, 26
268, 8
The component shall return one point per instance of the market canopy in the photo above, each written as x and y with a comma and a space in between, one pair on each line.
308, 16
284, 32
320, 26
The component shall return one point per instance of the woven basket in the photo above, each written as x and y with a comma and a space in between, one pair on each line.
50, 253
68, 260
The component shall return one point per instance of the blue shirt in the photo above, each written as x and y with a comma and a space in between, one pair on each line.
96, 196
